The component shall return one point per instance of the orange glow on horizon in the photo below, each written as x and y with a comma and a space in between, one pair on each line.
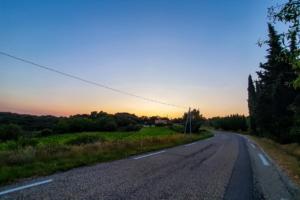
73, 111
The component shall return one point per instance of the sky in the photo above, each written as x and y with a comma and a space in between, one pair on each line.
195, 53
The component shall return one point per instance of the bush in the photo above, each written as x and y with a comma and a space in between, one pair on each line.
109, 125
178, 128
85, 139
62, 126
23, 142
45, 132
131, 127
10, 132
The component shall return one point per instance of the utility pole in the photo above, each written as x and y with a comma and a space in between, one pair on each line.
190, 120
186, 121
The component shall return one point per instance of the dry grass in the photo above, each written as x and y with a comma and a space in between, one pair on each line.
287, 156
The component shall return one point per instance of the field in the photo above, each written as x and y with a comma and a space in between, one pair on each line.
46, 155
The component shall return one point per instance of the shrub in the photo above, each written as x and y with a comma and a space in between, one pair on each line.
45, 132
23, 142
131, 127
62, 126
85, 139
109, 125
10, 132
178, 128
125, 119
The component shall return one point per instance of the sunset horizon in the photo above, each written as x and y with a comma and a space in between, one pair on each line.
132, 51
150, 99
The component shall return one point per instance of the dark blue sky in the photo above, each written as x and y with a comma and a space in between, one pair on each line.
194, 53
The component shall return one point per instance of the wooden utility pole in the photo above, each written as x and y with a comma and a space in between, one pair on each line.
187, 120
190, 120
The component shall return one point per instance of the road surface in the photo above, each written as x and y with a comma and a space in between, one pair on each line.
227, 166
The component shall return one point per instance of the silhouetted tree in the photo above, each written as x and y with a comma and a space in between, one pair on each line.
197, 120
251, 104
10, 132
229, 123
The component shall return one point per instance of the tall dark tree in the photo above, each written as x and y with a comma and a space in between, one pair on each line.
266, 77
289, 14
251, 104
274, 92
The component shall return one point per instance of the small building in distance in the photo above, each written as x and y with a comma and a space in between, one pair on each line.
161, 121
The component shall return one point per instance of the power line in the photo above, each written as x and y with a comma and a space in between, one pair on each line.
88, 81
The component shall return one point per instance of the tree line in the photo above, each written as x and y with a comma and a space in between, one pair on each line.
274, 97
13, 125
229, 123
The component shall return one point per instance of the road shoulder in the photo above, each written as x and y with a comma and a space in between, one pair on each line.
269, 177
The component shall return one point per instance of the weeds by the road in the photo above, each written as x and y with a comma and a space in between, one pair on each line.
58, 153
286, 155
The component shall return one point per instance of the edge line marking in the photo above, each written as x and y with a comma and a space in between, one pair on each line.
25, 186
147, 155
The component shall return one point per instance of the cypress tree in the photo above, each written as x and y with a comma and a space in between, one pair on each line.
251, 104
273, 114
266, 78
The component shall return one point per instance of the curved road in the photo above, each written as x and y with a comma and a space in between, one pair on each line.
227, 166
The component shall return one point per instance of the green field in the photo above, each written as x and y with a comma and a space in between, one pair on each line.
46, 155
63, 139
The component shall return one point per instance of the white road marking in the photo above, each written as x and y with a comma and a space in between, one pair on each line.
263, 159
150, 154
25, 186
190, 144
252, 145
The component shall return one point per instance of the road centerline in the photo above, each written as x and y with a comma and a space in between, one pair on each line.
25, 187
147, 155
263, 160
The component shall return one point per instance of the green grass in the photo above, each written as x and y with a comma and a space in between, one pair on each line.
55, 153
62, 139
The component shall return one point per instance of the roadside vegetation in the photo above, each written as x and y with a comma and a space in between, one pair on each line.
274, 98
42, 156
36, 145
229, 123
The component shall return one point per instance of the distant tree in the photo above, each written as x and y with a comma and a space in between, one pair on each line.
29, 122
10, 132
230, 123
197, 120
127, 121
251, 104
94, 115
46, 132
62, 126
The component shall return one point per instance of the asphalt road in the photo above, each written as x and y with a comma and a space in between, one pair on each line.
227, 166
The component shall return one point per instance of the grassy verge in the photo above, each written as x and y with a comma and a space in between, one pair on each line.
287, 156
62, 152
